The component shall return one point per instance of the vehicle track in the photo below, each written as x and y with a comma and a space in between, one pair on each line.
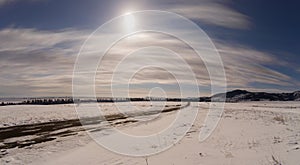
48, 131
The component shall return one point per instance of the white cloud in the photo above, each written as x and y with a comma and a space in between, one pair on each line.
32, 39
212, 12
32, 60
243, 65
41, 62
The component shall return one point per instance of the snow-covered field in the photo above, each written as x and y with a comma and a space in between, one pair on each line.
248, 133
28, 114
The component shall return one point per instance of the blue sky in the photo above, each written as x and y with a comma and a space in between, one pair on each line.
39, 41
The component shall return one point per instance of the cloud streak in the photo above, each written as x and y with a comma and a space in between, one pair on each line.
214, 12
40, 63
5, 2
33, 60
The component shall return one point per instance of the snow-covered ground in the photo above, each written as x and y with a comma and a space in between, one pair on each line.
28, 114
248, 133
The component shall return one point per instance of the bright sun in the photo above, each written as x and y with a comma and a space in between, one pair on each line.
129, 22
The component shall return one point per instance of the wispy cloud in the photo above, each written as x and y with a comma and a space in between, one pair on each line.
32, 39
32, 60
5, 2
243, 65
214, 12
39, 62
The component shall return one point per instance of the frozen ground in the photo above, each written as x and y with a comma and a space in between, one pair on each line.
29, 114
248, 133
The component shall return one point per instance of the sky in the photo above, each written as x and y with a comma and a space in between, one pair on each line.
40, 40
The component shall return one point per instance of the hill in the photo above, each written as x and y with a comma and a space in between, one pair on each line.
243, 95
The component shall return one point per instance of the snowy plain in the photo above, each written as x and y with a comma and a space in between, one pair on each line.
248, 133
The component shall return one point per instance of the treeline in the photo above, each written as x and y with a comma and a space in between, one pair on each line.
51, 101
232, 96
40, 102
152, 99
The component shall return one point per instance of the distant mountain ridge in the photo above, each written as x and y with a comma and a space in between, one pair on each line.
243, 95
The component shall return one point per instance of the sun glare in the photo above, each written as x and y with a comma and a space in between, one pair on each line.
129, 21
